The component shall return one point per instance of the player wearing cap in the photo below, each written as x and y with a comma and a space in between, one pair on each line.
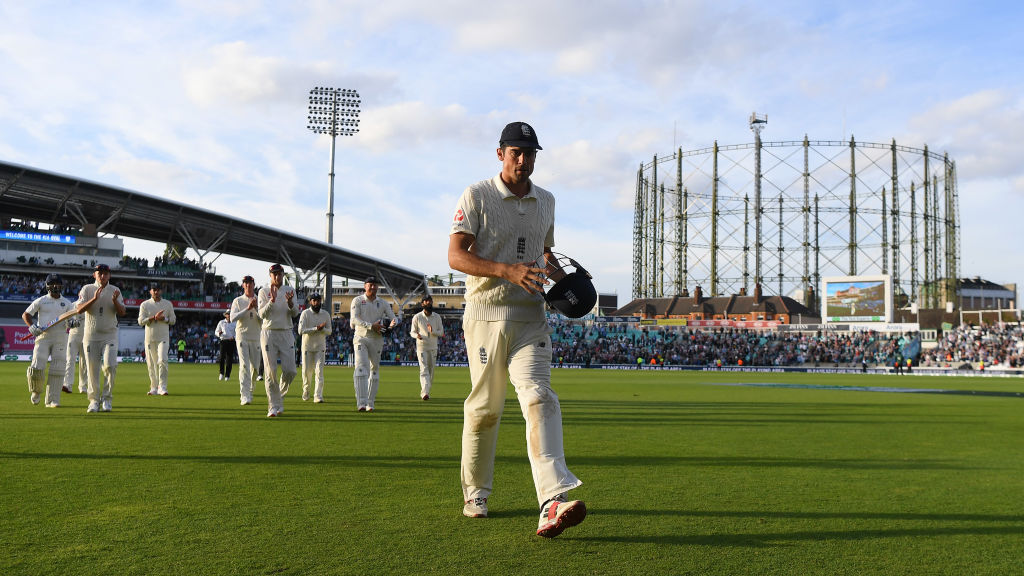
501, 227
315, 327
247, 337
225, 332
156, 315
101, 302
426, 329
277, 309
50, 344
368, 314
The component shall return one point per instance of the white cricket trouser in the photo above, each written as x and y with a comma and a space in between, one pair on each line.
101, 362
156, 363
428, 359
366, 375
75, 349
278, 345
521, 352
313, 372
249, 358
54, 349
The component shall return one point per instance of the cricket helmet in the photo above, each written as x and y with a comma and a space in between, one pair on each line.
574, 294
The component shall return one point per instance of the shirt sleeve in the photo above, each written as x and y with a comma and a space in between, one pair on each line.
466, 218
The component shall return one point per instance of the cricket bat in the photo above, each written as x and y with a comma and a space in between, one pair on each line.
59, 319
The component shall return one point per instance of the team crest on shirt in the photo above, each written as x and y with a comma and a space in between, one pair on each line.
459, 216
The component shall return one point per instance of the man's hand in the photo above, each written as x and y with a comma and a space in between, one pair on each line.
35, 329
288, 295
252, 304
527, 277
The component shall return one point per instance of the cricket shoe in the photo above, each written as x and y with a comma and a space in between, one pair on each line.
34, 397
557, 515
93, 407
66, 389
52, 405
475, 508
107, 405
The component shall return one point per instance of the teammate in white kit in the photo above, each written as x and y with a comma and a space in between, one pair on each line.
314, 327
75, 357
500, 229
157, 316
426, 329
102, 303
247, 338
49, 345
277, 308
368, 315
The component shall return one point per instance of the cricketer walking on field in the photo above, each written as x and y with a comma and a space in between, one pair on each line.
500, 229
368, 314
315, 327
102, 304
247, 338
50, 344
426, 329
157, 316
277, 308
75, 351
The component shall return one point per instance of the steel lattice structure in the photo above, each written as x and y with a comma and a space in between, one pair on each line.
785, 214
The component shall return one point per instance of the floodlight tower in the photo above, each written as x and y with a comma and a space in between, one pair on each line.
757, 123
332, 111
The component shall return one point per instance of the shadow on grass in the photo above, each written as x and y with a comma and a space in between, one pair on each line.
438, 462
1010, 524
769, 539
788, 515
765, 462
363, 461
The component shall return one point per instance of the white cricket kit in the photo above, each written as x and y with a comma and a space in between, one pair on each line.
248, 325
100, 340
367, 345
426, 330
277, 340
158, 341
314, 350
50, 345
75, 350
507, 339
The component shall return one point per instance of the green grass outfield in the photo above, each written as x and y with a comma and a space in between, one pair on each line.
680, 476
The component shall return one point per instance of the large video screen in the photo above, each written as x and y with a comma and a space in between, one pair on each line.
857, 299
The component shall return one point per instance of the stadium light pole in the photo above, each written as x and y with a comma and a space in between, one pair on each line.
335, 112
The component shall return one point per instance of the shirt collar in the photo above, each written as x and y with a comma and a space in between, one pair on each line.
506, 193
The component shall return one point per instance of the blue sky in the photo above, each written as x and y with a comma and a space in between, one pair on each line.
205, 102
